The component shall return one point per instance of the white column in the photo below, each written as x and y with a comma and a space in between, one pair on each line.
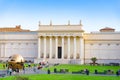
44, 46
82, 50
2, 50
62, 47
74, 47
56, 47
68, 47
39, 47
50, 55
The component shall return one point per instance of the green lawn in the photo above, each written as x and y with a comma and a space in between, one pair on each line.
1, 65
65, 77
73, 67
69, 76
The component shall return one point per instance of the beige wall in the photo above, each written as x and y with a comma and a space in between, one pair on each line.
23, 43
103, 46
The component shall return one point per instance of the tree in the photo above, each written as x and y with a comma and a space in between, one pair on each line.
94, 59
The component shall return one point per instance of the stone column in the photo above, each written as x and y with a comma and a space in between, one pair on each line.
39, 47
82, 50
4, 50
44, 46
1, 50
62, 47
56, 47
68, 47
74, 47
50, 55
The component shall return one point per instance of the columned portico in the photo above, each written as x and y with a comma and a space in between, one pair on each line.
61, 43
51, 48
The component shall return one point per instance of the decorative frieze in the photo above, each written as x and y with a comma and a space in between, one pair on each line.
60, 34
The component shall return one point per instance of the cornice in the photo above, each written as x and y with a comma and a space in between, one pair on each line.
102, 39
3, 40
60, 25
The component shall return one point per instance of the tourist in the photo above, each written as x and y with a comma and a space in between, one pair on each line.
55, 70
47, 64
48, 71
6, 65
23, 69
29, 64
17, 70
40, 63
10, 71
34, 68
117, 73
96, 72
87, 72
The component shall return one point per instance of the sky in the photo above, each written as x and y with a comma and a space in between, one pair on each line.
94, 14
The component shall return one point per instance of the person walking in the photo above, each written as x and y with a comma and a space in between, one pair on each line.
10, 71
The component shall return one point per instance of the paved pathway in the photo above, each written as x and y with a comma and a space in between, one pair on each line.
3, 73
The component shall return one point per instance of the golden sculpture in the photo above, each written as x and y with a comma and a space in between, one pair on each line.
16, 61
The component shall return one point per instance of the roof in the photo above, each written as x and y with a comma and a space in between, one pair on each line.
107, 29
11, 29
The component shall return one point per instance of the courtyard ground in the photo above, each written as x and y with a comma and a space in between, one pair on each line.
42, 74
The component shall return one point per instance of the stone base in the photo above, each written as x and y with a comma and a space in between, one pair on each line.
38, 60
105, 61
59, 61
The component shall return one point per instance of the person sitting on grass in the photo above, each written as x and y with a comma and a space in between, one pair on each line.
87, 72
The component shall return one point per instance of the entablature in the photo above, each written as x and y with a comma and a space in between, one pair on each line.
60, 34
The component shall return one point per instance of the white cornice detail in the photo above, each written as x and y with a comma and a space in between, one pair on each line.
60, 34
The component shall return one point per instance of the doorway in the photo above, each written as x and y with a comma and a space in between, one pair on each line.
59, 52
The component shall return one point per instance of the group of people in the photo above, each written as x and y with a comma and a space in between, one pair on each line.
11, 71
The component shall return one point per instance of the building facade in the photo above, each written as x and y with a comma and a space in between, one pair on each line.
67, 44
18, 41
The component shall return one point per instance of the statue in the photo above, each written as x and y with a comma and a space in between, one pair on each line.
15, 62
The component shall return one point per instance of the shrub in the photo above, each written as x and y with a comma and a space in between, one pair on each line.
94, 59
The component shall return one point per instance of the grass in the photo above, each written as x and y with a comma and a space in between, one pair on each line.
64, 77
73, 67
